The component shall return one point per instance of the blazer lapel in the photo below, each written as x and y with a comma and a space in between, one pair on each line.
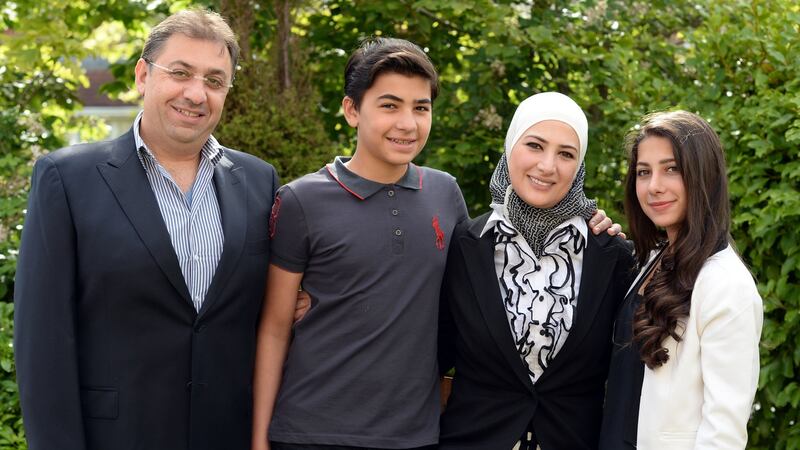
127, 180
651, 259
231, 185
478, 253
598, 267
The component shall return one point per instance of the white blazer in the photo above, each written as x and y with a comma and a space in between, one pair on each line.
702, 397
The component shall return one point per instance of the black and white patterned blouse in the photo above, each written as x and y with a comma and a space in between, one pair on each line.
539, 294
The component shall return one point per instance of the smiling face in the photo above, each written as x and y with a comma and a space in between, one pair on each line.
659, 185
179, 116
393, 122
543, 163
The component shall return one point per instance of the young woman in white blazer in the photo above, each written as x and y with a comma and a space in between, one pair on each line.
685, 363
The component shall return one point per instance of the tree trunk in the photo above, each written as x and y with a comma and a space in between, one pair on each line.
283, 9
239, 14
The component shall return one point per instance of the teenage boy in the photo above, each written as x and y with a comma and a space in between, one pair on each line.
368, 238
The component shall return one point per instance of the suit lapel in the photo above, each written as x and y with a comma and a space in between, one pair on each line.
478, 253
231, 185
127, 180
596, 274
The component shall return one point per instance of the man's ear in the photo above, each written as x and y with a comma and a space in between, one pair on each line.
141, 75
350, 111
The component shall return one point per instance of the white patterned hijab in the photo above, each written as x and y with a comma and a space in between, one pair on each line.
533, 223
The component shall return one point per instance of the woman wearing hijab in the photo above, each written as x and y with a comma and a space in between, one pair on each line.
529, 296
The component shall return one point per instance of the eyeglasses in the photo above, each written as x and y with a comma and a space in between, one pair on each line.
212, 82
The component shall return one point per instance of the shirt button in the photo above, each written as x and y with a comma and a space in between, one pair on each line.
398, 232
395, 212
196, 258
390, 193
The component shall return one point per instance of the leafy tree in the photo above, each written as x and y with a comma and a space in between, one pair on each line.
493, 54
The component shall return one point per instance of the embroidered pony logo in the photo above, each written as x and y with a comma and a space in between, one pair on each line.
439, 233
273, 216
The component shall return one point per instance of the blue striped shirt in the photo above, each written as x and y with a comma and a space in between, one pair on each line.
192, 219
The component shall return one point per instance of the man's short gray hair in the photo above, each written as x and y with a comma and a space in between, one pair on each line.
195, 24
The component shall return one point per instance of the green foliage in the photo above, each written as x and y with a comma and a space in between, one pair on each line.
11, 433
745, 59
491, 55
271, 114
55, 35
280, 129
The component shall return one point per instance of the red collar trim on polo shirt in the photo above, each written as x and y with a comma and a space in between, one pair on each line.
361, 188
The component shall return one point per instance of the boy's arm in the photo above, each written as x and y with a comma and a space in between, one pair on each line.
274, 333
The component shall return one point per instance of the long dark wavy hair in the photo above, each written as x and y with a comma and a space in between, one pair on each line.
705, 230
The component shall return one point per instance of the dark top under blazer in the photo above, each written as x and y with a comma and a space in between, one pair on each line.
493, 399
110, 351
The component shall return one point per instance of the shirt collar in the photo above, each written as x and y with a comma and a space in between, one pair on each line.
212, 151
361, 187
498, 215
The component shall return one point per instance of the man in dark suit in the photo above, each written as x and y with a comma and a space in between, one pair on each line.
142, 267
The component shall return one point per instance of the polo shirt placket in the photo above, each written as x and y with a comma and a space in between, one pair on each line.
397, 234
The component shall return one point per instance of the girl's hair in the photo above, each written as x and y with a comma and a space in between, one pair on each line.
704, 231
379, 55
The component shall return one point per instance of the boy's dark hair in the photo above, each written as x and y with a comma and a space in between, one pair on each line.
379, 55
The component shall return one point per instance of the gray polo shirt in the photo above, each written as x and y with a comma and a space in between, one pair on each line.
361, 369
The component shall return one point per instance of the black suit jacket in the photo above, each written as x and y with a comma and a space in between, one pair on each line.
493, 399
110, 352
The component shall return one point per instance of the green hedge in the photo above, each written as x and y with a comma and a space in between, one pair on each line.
11, 433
